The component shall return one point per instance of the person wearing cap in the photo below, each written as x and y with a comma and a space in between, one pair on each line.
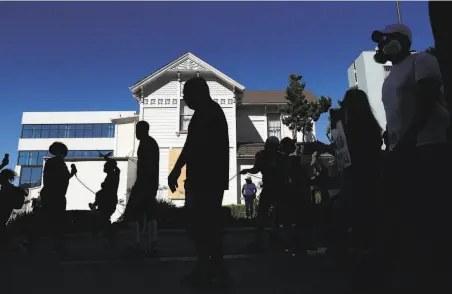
249, 191
270, 163
417, 123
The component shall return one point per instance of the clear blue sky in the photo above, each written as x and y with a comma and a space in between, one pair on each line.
75, 56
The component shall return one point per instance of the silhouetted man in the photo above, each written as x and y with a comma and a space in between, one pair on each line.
273, 166
417, 122
142, 202
206, 155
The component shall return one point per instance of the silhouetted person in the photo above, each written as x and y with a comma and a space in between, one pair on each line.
417, 121
142, 202
107, 198
296, 203
11, 197
56, 178
249, 191
441, 23
272, 165
5, 161
206, 156
363, 177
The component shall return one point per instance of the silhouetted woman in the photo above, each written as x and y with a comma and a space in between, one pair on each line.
107, 198
364, 140
56, 178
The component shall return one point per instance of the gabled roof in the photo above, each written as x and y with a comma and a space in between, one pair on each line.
255, 97
187, 62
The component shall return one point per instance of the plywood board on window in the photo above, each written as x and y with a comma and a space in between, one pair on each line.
180, 192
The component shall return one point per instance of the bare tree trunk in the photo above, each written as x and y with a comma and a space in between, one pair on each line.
294, 134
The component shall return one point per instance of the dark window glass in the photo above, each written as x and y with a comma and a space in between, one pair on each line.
97, 133
37, 131
53, 131
78, 154
70, 154
23, 158
41, 156
33, 158
62, 131
107, 130
45, 131
79, 130
94, 154
27, 131
71, 131
88, 131
36, 173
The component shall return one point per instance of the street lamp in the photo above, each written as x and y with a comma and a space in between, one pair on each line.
399, 16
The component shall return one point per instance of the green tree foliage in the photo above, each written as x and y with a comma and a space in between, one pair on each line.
299, 113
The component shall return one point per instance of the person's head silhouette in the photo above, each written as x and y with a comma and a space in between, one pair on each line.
58, 149
196, 93
287, 146
110, 166
142, 130
272, 144
394, 43
7, 176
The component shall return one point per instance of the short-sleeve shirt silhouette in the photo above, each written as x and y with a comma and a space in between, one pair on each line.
55, 178
148, 163
208, 148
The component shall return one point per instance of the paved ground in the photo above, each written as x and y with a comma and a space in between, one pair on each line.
89, 266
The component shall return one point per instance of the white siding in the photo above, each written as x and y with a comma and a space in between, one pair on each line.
251, 124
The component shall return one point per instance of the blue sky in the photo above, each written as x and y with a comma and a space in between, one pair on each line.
75, 56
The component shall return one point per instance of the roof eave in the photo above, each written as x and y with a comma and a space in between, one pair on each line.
134, 88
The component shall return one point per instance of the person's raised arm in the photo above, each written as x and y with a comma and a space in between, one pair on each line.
256, 168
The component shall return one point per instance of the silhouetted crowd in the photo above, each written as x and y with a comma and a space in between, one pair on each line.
393, 203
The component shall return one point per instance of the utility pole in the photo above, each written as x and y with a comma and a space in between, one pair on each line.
399, 16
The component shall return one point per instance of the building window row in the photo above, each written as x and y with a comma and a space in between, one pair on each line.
31, 164
68, 131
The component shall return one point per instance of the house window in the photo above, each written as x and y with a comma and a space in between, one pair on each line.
274, 124
185, 116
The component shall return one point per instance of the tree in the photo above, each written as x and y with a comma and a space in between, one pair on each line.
328, 129
299, 114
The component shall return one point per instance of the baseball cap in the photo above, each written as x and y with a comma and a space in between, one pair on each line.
398, 28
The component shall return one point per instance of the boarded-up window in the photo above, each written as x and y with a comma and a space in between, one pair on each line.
180, 192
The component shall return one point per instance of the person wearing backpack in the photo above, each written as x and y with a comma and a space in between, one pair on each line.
11, 197
417, 123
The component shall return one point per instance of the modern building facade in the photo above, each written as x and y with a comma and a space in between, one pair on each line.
369, 77
160, 100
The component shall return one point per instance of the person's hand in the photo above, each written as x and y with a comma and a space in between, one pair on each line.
172, 179
91, 206
73, 169
244, 172
5, 161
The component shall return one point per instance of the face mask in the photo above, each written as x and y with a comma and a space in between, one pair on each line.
392, 48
